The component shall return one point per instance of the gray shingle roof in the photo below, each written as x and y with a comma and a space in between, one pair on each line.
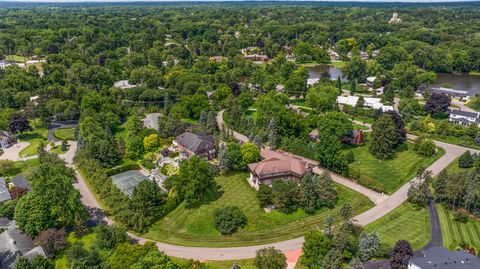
19, 181
441, 258
463, 113
4, 193
14, 243
195, 142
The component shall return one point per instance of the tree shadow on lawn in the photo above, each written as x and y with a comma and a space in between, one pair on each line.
29, 136
214, 195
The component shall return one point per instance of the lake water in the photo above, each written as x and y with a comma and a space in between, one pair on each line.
319, 70
463, 81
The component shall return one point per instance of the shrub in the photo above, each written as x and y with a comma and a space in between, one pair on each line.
350, 157
52, 241
466, 160
270, 258
461, 217
425, 147
229, 219
265, 195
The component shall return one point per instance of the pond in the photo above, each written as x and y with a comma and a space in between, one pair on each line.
319, 71
462, 82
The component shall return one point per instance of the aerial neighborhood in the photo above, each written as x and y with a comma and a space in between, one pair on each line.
228, 135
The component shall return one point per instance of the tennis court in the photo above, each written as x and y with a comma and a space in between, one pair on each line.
127, 181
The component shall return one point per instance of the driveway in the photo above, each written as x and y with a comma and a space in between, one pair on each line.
13, 153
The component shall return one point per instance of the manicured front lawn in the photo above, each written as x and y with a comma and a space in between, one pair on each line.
391, 173
34, 138
405, 222
194, 227
64, 133
455, 232
338, 64
16, 58
58, 149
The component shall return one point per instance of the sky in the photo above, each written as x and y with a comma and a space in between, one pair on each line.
77, 1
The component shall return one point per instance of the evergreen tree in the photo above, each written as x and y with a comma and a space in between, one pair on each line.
368, 245
401, 254
339, 83
203, 118
355, 263
272, 134
329, 225
466, 160
384, 138
223, 163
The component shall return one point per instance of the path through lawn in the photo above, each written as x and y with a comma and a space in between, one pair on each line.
194, 227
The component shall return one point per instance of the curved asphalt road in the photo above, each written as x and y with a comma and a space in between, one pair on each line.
205, 253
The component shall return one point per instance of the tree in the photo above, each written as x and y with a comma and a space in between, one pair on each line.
419, 193
223, 162
108, 237
285, 195
465, 160
346, 212
53, 200
18, 123
235, 266
135, 149
52, 241
329, 226
315, 247
250, 153
436, 104
235, 156
272, 134
229, 219
147, 201
368, 245
355, 263
425, 147
355, 69
265, 195
269, 258
38, 262
322, 97
155, 259
151, 142
333, 259
194, 181
384, 138
6, 167
401, 254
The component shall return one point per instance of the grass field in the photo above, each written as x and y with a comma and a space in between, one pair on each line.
34, 138
358, 126
194, 227
16, 58
338, 64
58, 149
405, 222
455, 232
87, 241
244, 264
391, 173
474, 73
64, 133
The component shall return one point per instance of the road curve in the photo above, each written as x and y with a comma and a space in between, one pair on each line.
205, 253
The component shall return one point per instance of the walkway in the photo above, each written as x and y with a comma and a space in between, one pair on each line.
13, 153
204, 253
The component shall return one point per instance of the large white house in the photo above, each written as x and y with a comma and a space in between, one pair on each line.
441, 258
464, 117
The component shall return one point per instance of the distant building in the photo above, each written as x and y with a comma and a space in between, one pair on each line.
371, 80
217, 58
13, 244
352, 138
334, 56
256, 57
395, 19
451, 92
375, 53
312, 81
441, 258
4, 193
290, 58
196, 144
6, 63
363, 55
350, 100
464, 117
124, 84
276, 166
6, 139
151, 121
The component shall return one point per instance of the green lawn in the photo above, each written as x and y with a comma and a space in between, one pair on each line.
58, 149
194, 227
339, 64
474, 73
391, 173
455, 232
64, 133
87, 241
358, 126
34, 138
244, 264
363, 119
16, 58
405, 222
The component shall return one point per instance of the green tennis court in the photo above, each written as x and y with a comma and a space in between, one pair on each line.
127, 181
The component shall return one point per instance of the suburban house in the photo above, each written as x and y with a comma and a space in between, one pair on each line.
20, 182
256, 57
375, 103
196, 144
276, 166
290, 58
151, 121
14, 243
352, 138
6, 63
441, 258
334, 56
124, 84
464, 117
363, 55
6, 139
350, 100
4, 192
463, 95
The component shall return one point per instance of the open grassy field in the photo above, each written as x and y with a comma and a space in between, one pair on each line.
474, 73
64, 133
391, 173
33, 137
338, 64
195, 227
454, 232
405, 222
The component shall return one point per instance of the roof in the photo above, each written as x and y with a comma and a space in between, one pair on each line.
19, 181
275, 166
452, 92
4, 193
15, 243
463, 113
124, 84
151, 121
348, 100
195, 142
441, 258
